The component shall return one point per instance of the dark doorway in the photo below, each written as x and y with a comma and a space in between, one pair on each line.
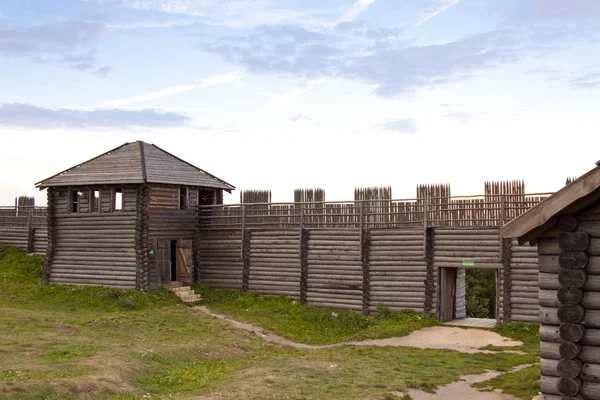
173, 260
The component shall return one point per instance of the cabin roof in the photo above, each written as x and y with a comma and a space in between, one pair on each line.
135, 163
570, 199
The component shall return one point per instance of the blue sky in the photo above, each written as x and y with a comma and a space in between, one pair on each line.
284, 94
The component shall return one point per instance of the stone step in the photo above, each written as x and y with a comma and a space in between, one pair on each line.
181, 289
190, 298
174, 284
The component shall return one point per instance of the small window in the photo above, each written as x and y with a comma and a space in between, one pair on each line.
94, 200
75, 198
118, 200
183, 198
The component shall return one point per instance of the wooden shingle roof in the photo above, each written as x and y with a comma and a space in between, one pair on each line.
570, 199
136, 162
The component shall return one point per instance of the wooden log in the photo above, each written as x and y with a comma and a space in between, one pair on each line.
573, 259
569, 368
575, 241
569, 296
572, 277
568, 386
569, 350
572, 332
567, 223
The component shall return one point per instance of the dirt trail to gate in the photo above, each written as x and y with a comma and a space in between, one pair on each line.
435, 337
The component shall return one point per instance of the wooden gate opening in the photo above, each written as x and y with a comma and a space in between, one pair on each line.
174, 260
469, 296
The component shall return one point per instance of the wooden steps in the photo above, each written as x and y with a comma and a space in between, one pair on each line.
185, 293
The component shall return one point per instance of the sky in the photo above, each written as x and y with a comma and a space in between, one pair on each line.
284, 94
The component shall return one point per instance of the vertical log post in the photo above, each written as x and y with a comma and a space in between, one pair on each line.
429, 280
246, 260
304, 238
243, 230
572, 278
365, 255
245, 251
51, 235
506, 254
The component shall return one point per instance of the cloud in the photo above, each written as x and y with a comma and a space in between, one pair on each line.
462, 116
69, 42
60, 38
280, 101
401, 125
211, 81
103, 72
394, 68
586, 81
438, 8
357, 8
18, 115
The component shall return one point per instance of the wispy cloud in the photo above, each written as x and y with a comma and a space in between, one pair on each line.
400, 125
432, 12
587, 81
462, 116
19, 115
211, 81
359, 7
280, 101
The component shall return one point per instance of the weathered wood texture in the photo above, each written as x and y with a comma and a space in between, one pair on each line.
460, 308
398, 269
335, 275
524, 304
220, 264
569, 296
162, 167
274, 263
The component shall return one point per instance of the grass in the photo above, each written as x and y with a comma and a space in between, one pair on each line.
311, 325
72, 342
523, 384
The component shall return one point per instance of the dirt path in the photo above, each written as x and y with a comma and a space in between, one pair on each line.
462, 389
435, 337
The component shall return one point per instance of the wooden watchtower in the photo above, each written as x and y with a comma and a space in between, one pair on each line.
126, 218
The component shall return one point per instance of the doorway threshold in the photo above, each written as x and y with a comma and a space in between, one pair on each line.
473, 323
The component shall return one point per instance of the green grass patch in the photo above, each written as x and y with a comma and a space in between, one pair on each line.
528, 333
523, 384
72, 342
182, 375
20, 279
308, 324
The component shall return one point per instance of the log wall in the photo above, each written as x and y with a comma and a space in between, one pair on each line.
355, 269
569, 298
94, 248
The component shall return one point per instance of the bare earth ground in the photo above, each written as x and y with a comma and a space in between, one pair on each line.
463, 390
435, 337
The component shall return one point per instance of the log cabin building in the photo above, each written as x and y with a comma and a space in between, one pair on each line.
127, 218
566, 228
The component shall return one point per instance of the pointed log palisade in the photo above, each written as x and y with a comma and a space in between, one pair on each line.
566, 228
127, 218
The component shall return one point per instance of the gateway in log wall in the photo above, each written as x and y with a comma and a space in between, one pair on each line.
566, 228
126, 218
